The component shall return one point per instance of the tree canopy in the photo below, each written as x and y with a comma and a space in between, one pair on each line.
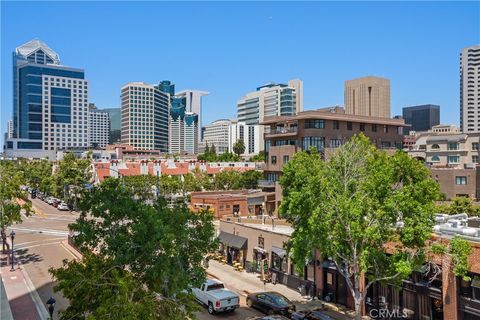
239, 147
149, 252
353, 204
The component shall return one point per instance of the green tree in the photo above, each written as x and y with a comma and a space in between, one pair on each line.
149, 252
12, 199
239, 147
228, 157
260, 157
70, 177
228, 180
351, 205
250, 179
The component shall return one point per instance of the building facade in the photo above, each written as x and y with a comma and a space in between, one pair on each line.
99, 127
470, 89
270, 100
368, 96
249, 134
10, 129
144, 116
217, 133
183, 128
422, 117
325, 130
50, 104
114, 115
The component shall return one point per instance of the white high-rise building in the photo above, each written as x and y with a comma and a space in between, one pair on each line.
470, 89
217, 134
99, 127
144, 116
250, 134
50, 104
10, 129
271, 99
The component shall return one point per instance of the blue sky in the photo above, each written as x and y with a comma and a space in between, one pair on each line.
230, 48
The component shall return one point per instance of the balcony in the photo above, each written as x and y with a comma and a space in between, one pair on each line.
282, 132
266, 184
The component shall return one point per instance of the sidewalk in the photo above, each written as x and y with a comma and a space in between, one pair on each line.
24, 301
250, 283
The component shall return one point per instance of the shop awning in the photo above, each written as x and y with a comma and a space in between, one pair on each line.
261, 250
476, 282
233, 240
328, 264
279, 251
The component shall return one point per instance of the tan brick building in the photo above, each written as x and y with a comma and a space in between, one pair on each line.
368, 96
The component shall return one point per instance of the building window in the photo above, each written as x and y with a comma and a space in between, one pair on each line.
336, 124
279, 263
335, 143
274, 160
315, 124
349, 126
461, 180
435, 146
453, 159
285, 159
261, 242
475, 146
475, 159
385, 128
362, 126
453, 146
317, 142
374, 128
435, 159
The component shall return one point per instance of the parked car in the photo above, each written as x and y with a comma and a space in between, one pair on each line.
212, 293
315, 314
50, 200
56, 202
62, 206
271, 303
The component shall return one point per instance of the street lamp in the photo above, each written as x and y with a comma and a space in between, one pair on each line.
51, 306
12, 236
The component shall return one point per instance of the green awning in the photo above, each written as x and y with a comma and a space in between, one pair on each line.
233, 240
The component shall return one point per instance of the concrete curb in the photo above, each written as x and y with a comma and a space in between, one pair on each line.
72, 250
41, 309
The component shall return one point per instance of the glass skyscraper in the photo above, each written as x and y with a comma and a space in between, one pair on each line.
50, 104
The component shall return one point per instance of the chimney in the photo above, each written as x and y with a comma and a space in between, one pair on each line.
114, 168
157, 168
144, 167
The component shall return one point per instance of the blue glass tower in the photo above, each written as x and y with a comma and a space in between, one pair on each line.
50, 106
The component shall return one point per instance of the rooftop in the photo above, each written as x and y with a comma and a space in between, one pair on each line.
33, 45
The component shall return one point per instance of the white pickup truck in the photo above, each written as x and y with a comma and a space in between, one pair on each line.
213, 294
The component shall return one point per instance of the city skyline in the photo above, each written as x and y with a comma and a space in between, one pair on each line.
322, 56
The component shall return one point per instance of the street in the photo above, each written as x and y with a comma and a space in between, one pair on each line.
38, 247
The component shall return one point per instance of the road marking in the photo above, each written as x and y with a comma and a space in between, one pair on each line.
38, 245
43, 240
45, 231
13, 278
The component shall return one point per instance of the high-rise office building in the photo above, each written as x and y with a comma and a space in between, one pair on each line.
217, 134
421, 118
183, 128
99, 127
10, 129
368, 96
50, 104
271, 99
249, 134
145, 111
470, 89
114, 115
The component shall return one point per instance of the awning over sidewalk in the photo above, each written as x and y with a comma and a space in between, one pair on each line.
279, 251
233, 240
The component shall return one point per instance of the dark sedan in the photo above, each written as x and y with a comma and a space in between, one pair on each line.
270, 303
310, 315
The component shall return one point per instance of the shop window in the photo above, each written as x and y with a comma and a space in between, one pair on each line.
349, 126
279, 263
293, 270
311, 270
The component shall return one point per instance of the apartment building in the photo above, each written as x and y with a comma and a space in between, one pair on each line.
470, 89
98, 127
271, 99
217, 133
249, 134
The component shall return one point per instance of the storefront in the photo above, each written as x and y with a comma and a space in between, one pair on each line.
233, 247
